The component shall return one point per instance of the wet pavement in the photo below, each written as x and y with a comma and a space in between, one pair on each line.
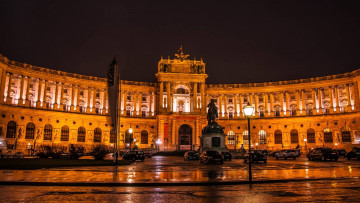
161, 169
308, 191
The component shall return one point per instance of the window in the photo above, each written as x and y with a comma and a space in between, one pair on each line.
31, 86
112, 136
48, 88
47, 132
64, 133
144, 99
262, 137
246, 137
328, 138
30, 131
128, 98
294, 136
65, 91
310, 135
81, 93
261, 99
81, 134
128, 113
97, 94
262, 113
231, 115
346, 135
230, 100
245, 99
127, 136
278, 136
215, 100
11, 129
97, 135
144, 137
231, 138
143, 113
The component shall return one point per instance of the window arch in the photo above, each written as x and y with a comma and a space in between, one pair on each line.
231, 138
47, 132
97, 135
294, 136
11, 129
278, 136
345, 134
112, 136
81, 134
328, 137
30, 131
310, 135
262, 137
246, 137
144, 137
64, 133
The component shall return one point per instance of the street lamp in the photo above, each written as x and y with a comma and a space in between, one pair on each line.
256, 144
158, 143
336, 145
131, 132
305, 145
249, 111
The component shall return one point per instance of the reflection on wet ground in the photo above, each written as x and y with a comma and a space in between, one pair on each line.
311, 191
174, 169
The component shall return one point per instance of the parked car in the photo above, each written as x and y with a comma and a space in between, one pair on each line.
272, 153
18, 155
264, 151
341, 152
8, 154
211, 157
256, 156
191, 155
134, 155
286, 153
354, 153
147, 154
226, 155
323, 154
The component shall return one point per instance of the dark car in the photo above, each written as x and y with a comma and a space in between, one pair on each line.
134, 155
341, 152
191, 155
226, 155
211, 157
323, 154
272, 153
354, 153
147, 154
264, 151
256, 155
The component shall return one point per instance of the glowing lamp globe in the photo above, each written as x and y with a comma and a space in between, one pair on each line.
249, 110
130, 130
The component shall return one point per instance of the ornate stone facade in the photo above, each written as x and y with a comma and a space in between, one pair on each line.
40, 106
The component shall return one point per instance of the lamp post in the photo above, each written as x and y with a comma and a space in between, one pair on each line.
131, 137
335, 145
249, 111
305, 145
158, 143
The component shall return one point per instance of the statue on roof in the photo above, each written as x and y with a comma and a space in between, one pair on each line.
180, 55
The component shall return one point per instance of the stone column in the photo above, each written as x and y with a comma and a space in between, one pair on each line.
139, 103
27, 99
303, 112
202, 92
44, 106
272, 113
331, 100
195, 96
282, 103
236, 106
8, 98
297, 102
38, 102
225, 106
320, 101
152, 104
313, 91
56, 95
265, 97
336, 89
88, 96
61, 96
72, 98
355, 94
348, 108
256, 106
250, 99
220, 107
3, 85
125, 101
168, 97
93, 100
22, 88
287, 96
240, 106
161, 95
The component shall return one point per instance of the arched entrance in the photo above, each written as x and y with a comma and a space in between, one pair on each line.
185, 137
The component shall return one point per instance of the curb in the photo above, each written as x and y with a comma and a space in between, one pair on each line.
162, 183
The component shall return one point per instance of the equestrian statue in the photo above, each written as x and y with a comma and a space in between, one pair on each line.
212, 112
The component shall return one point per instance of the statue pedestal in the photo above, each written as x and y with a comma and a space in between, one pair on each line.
213, 138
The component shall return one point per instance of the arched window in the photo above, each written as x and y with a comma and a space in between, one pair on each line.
345, 134
231, 112
11, 129
112, 136
64, 133
278, 136
97, 135
81, 134
293, 111
309, 109
30, 131
262, 137
310, 135
47, 132
277, 110
294, 136
328, 137
262, 111
246, 137
144, 137
231, 138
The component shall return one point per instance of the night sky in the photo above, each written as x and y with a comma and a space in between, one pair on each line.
241, 42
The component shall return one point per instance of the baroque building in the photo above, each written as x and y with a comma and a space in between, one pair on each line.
41, 106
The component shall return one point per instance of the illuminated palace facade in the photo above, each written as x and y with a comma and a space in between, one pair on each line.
41, 106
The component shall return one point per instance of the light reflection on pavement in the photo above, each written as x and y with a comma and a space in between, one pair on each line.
174, 169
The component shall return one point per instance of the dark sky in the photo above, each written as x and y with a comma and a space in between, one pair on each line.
240, 41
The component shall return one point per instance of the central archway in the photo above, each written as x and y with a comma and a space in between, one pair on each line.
185, 137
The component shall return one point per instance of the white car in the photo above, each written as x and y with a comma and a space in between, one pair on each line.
285, 154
